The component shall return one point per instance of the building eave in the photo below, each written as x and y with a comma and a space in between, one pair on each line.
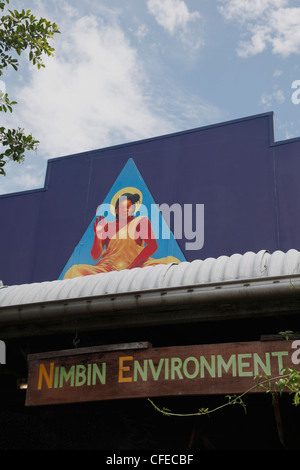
202, 291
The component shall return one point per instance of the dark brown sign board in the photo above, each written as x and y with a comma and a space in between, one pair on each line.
137, 370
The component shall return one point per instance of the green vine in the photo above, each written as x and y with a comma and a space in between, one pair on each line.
288, 381
288, 333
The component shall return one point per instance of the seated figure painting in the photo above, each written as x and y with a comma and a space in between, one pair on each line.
126, 242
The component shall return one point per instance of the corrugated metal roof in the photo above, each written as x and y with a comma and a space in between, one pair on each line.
211, 270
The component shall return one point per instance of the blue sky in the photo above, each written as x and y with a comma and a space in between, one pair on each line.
135, 69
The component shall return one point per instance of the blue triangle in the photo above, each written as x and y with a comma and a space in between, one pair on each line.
129, 177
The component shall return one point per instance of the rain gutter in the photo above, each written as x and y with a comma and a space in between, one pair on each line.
227, 300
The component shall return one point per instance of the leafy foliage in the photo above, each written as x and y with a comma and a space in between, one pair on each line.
288, 381
20, 31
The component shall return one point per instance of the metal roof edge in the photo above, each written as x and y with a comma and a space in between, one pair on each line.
203, 290
235, 267
255, 298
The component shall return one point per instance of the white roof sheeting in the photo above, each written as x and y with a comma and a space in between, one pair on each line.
211, 270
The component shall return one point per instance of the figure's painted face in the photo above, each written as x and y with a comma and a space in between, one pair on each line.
125, 209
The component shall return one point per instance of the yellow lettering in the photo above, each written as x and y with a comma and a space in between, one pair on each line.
48, 378
123, 368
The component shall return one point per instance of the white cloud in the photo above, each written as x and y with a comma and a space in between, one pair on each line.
141, 32
24, 176
267, 23
171, 14
95, 93
27, 180
258, 42
268, 99
279, 96
92, 92
175, 17
286, 26
247, 10
2, 86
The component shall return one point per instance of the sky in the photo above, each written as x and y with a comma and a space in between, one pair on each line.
129, 70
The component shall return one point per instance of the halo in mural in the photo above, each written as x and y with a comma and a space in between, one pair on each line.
130, 190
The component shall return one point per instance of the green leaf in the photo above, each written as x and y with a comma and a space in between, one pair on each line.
20, 31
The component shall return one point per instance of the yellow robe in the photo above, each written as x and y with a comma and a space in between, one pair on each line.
122, 250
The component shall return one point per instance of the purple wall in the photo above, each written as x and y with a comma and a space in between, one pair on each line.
250, 188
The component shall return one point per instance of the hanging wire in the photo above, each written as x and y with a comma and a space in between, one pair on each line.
76, 340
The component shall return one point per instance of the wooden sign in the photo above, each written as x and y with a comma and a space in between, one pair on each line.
138, 370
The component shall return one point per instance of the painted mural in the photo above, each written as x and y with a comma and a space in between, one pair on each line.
220, 190
128, 231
